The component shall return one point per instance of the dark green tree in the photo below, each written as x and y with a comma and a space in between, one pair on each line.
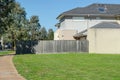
6, 7
43, 32
50, 34
34, 28
15, 23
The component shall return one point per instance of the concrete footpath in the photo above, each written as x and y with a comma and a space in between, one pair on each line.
7, 69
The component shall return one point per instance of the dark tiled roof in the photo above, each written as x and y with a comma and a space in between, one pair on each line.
95, 9
107, 25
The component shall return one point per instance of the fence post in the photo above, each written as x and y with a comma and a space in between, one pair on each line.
77, 43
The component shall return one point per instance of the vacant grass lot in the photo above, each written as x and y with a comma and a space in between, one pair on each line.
68, 66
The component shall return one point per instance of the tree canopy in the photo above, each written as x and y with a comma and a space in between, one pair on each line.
15, 26
50, 34
6, 7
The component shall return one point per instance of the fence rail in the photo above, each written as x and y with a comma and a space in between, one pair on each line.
51, 46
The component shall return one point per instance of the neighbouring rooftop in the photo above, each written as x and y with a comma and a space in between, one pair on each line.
113, 25
94, 10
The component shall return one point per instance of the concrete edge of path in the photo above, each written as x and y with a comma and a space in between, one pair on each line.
8, 70
16, 69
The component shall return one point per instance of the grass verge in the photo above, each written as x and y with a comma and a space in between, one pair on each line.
68, 66
6, 52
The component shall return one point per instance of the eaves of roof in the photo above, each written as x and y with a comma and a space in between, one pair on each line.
87, 15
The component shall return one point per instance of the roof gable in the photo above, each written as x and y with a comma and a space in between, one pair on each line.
107, 25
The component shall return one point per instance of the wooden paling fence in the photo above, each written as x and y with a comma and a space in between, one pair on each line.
56, 46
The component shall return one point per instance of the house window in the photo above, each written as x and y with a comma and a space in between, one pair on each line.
78, 18
102, 9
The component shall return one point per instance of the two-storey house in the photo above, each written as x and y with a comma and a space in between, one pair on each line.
76, 22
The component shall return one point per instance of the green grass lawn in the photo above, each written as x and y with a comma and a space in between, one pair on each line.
5, 52
68, 66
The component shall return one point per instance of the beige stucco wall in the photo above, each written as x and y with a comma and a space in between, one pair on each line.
56, 34
80, 25
72, 26
104, 40
118, 21
64, 34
